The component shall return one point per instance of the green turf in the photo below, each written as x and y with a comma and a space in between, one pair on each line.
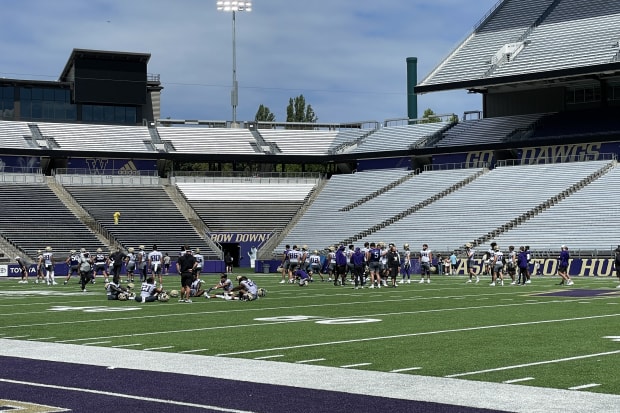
444, 329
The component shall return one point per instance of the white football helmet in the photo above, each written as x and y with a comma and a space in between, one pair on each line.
163, 297
122, 296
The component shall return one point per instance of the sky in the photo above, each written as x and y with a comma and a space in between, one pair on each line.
347, 57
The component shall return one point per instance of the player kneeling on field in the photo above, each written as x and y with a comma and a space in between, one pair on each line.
149, 292
302, 277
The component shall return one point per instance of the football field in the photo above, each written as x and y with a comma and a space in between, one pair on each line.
539, 336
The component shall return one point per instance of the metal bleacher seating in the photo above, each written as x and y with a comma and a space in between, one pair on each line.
246, 206
84, 137
12, 135
472, 58
33, 217
318, 227
186, 139
393, 138
569, 222
486, 203
301, 142
148, 217
590, 26
486, 130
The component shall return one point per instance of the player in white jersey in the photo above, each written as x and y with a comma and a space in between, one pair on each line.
225, 285
471, 255
497, 264
155, 260
142, 262
48, 265
195, 290
294, 259
246, 290
130, 263
315, 264
148, 291
406, 264
200, 259
426, 260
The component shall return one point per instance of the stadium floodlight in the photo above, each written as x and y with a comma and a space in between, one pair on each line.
234, 6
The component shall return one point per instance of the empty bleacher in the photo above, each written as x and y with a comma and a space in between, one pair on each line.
12, 135
394, 138
321, 225
148, 216
33, 217
486, 130
585, 220
472, 58
85, 137
591, 27
246, 206
301, 142
186, 139
486, 203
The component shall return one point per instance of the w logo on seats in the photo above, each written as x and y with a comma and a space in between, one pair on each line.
97, 164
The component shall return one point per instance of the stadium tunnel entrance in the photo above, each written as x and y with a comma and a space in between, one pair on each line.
234, 249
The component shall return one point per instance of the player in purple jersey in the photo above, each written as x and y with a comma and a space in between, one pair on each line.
563, 263
374, 265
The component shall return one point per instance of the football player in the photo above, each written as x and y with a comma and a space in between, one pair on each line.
148, 291
246, 290
73, 262
225, 285
155, 259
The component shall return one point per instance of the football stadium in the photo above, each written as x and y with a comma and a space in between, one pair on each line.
505, 284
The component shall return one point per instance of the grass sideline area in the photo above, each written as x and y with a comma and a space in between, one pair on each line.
541, 335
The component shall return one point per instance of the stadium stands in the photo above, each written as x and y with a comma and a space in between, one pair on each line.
148, 216
91, 137
568, 222
472, 58
486, 130
485, 204
246, 206
187, 139
590, 26
13, 134
33, 217
395, 138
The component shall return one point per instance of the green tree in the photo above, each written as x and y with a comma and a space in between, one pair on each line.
297, 111
429, 117
264, 115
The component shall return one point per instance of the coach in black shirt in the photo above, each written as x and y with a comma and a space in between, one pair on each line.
186, 264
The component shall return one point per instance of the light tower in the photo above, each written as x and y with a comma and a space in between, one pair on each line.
234, 7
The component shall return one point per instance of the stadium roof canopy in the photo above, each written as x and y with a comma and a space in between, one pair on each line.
521, 43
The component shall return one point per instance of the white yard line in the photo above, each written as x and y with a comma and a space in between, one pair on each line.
536, 363
124, 396
425, 333
474, 394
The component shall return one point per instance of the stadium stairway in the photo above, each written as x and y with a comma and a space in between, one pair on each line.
413, 208
265, 252
70, 202
379, 191
548, 203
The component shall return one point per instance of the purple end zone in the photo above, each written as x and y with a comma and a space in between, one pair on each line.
578, 293
225, 394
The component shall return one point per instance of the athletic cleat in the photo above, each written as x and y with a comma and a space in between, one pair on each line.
501, 283
282, 282
469, 281
477, 280
428, 280
372, 286
492, 284
570, 282
421, 281
528, 282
